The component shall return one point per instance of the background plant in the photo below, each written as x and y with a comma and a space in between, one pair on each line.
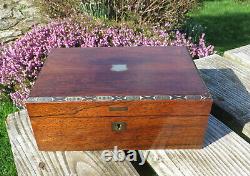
194, 29
95, 8
58, 8
168, 13
21, 61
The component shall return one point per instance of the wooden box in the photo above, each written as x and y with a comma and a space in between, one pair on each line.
130, 97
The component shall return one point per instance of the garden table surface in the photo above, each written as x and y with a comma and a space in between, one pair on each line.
228, 80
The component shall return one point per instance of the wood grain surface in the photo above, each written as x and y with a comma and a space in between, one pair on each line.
225, 154
119, 71
88, 72
30, 161
146, 132
241, 55
134, 108
228, 81
149, 124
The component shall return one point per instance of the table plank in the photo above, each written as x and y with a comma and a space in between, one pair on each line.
30, 161
228, 82
241, 54
225, 153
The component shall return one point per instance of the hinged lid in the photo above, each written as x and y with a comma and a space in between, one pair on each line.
118, 73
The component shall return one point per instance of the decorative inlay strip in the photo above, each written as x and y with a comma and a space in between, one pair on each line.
118, 98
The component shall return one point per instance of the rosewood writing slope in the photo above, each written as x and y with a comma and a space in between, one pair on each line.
130, 97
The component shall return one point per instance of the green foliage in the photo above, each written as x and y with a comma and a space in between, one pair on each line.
193, 29
7, 166
242, 1
95, 9
168, 13
226, 23
58, 8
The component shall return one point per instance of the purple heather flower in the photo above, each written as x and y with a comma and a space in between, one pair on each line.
21, 61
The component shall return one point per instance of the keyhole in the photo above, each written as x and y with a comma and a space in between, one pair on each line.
119, 126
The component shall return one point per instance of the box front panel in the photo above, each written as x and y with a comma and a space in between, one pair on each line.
98, 133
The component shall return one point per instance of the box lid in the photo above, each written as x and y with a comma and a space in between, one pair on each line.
118, 73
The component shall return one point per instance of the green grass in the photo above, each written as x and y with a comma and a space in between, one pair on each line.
7, 166
227, 23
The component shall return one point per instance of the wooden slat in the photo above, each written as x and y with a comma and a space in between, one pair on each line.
225, 153
30, 161
229, 83
240, 55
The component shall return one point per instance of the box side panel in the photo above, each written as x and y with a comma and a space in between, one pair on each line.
96, 133
120, 108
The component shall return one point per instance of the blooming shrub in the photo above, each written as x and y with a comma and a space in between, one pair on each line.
58, 8
21, 61
168, 13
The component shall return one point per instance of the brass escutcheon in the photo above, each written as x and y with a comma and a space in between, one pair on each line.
118, 108
119, 126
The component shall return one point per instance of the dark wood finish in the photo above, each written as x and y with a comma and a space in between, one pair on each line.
141, 124
151, 71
